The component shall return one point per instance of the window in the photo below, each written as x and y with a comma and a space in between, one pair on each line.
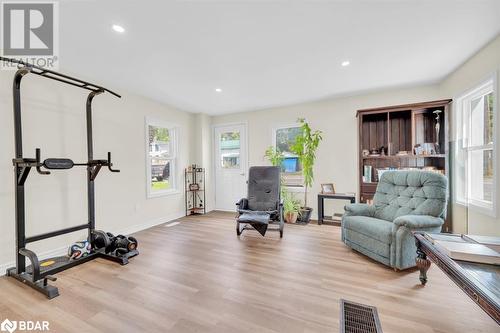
476, 148
230, 150
161, 158
283, 140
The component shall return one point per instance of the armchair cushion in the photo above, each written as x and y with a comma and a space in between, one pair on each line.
263, 188
418, 221
254, 217
410, 193
258, 220
371, 227
359, 210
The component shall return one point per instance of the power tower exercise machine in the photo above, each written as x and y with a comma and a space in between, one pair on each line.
37, 274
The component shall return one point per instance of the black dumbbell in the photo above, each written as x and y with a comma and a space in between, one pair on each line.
126, 243
103, 240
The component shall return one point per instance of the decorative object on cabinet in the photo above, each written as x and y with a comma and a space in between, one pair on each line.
402, 137
194, 184
438, 128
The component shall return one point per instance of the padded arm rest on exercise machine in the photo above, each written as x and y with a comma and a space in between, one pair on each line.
58, 163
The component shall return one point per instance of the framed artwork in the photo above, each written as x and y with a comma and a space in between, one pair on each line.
327, 188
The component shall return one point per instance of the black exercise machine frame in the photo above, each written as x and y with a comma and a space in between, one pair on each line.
32, 275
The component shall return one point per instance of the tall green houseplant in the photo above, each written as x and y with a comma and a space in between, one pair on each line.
305, 147
275, 156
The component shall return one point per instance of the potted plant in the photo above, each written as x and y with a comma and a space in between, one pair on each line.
305, 147
291, 207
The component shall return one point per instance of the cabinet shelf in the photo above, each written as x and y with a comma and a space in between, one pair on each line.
396, 157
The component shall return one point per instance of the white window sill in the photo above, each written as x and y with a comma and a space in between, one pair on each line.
295, 189
478, 207
163, 193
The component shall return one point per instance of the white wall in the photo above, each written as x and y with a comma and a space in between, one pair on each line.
54, 120
203, 155
336, 117
337, 156
476, 69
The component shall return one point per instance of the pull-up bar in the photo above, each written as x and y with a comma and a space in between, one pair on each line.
58, 76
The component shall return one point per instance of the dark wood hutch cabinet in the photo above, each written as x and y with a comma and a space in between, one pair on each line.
388, 137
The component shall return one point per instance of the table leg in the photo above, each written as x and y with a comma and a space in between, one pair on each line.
321, 211
423, 264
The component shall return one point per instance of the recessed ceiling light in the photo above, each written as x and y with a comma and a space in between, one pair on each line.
218, 90
118, 28
345, 63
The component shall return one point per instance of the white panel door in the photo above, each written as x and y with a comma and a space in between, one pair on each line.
230, 160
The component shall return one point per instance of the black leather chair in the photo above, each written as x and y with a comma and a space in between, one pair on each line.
263, 205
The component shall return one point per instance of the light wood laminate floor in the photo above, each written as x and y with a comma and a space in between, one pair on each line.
197, 276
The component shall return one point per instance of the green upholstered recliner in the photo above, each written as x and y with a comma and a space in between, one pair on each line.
404, 201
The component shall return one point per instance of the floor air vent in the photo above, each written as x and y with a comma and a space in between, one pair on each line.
358, 318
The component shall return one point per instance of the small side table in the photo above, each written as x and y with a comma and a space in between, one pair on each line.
340, 196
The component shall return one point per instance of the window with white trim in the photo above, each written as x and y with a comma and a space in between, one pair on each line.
475, 158
283, 139
161, 158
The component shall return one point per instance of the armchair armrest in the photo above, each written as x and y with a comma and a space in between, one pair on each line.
242, 204
418, 221
357, 209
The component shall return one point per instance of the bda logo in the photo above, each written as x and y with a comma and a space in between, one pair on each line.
24, 325
8, 326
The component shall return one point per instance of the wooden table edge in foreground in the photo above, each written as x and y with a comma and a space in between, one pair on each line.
470, 285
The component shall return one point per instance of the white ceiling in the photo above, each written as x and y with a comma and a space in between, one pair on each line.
269, 53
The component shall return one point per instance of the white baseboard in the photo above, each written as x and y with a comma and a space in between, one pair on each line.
126, 231
151, 223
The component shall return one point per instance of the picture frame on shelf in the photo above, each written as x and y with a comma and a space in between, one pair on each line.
327, 188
